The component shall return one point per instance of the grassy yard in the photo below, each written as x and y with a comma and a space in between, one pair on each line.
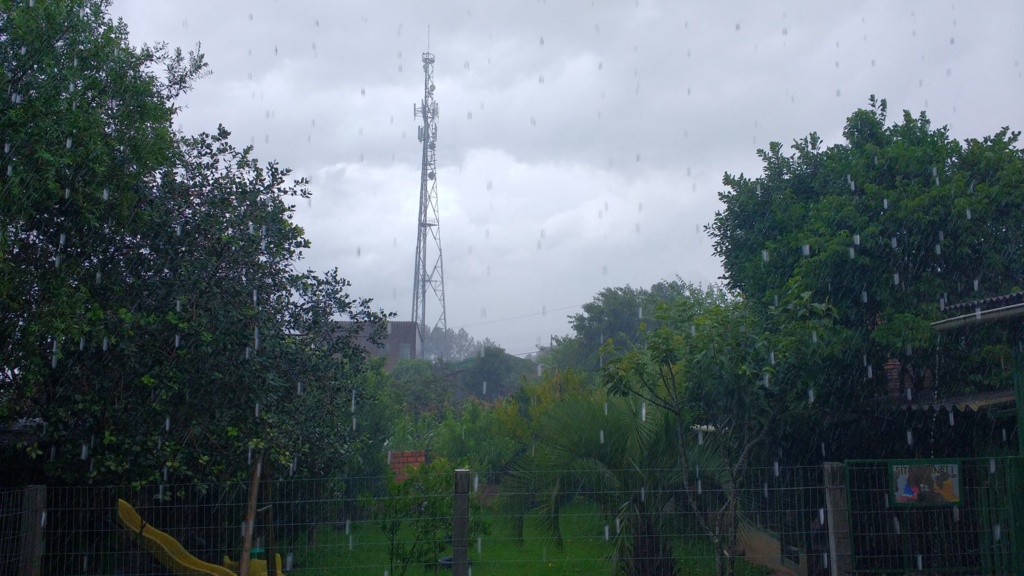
363, 550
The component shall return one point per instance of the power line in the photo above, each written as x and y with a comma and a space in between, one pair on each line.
544, 313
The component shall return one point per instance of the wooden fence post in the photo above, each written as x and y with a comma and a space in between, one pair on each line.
250, 517
30, 554
837, 507
460, 524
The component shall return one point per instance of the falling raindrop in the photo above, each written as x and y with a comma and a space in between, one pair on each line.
601, 436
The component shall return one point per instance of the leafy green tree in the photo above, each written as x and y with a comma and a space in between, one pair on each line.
421, 387
889, 227
450, 345
724, 374
419, 391
617, 315
86, 125
474, 438
153, 316
616, 453
491, 374
416, 517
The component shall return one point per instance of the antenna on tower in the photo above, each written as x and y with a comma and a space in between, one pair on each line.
429, 225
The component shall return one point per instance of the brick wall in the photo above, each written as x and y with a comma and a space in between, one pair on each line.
401, 461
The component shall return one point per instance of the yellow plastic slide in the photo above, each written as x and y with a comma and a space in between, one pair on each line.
165, 549
256, 567
173, 556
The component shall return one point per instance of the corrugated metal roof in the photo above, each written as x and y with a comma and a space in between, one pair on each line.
985, 303
973, 402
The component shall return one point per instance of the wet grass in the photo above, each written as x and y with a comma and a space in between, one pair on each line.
363, 550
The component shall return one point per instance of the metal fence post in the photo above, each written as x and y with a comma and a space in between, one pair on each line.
838, 518
30, 554
460, 524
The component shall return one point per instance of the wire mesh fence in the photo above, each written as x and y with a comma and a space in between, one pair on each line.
937, 516
592, 521
621, 518
10, 519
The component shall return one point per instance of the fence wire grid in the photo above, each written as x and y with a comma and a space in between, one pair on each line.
798, 519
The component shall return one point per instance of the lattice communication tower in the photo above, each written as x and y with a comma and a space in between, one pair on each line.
429, 273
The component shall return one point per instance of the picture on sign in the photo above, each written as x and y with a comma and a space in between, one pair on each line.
925, 483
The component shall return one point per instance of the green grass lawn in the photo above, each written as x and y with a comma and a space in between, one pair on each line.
363, 550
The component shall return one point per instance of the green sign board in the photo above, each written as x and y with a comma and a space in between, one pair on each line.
924, 482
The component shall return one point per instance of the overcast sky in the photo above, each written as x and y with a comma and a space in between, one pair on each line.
581, 143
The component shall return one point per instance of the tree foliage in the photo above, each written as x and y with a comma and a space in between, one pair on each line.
449, 345
725, 374
416, 517
154, 320
615, 453
618, 315
889, 227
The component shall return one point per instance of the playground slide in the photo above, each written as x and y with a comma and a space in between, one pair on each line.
256, 567
167, 550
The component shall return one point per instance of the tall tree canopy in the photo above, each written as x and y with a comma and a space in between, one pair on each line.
889, 227
153, 318
618, 315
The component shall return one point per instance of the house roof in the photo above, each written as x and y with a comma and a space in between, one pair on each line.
985, 303
973, 402
984, 310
